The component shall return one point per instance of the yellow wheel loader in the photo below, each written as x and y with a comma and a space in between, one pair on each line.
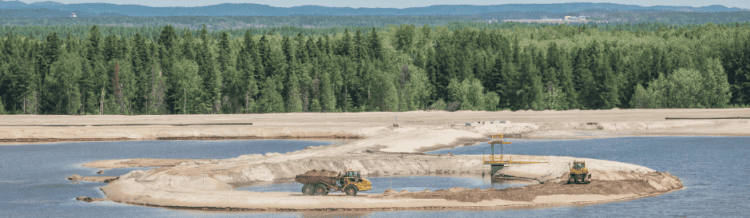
320, 182
579, 174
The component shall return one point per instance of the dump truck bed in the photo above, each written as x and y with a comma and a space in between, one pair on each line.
318, 176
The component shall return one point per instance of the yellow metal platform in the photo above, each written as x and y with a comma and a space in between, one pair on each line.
507, 159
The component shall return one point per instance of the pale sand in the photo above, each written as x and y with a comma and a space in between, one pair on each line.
539, 124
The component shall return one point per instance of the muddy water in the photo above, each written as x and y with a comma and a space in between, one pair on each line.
713, 169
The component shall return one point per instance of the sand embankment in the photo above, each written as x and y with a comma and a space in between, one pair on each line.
16, 129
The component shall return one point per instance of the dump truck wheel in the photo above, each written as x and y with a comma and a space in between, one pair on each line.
321, 189
308, 189
351, 190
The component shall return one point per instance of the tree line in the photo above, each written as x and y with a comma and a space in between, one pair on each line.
394, 68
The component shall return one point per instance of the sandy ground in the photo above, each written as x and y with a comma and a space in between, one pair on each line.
380, 150
533, 124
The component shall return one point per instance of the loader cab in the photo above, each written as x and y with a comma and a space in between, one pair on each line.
579, 165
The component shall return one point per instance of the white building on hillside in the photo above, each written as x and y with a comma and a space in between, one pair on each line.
73, 15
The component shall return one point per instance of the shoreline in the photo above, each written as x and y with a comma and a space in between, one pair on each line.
426, 208
376, 147
574, 124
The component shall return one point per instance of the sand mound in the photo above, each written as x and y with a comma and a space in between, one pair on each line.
648, 184
404, 191
456, 189
389, 191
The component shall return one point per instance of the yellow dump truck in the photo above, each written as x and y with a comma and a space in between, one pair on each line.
579, 174
320, 182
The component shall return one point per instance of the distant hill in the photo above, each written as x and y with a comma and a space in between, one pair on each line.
106, 9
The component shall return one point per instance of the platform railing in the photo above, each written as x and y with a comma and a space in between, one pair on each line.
511, 159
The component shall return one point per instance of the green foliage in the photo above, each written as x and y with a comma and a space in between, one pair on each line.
61, 87
2, 107
168, 70
685, 88
471, 95
438, 105
327, 98
188, 92
270, 99
294, 100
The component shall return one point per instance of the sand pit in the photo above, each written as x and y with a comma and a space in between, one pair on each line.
380, 149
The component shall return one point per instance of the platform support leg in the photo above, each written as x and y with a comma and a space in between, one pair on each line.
495, 168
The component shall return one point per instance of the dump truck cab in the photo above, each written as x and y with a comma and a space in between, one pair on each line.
352, 182
579, 173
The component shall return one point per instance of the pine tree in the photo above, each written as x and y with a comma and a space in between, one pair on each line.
187, 46
301, 49
327, 96
169, 50
270, 99
608, 91
376, 47
140, 62
294, 102
286, 47
224, 52
345, 49
360, 47
110, 47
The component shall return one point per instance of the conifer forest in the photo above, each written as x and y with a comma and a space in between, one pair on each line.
90, 69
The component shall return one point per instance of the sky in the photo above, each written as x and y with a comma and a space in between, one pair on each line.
400, 3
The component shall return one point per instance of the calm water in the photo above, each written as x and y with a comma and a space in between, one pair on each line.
33, 177
713, 169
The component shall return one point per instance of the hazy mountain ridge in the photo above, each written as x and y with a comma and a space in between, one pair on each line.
247, 9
